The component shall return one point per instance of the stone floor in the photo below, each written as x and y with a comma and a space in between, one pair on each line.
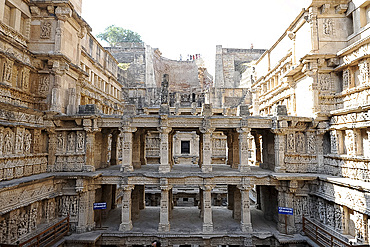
187, 220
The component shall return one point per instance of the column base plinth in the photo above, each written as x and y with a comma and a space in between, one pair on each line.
163, 227
125, 227
208, 227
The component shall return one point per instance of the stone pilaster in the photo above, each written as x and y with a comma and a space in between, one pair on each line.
164, 150
62, 13
207, 208
136, 150
207, 150
86, 212
126, 222
52, 147
245, 221
55, 105
243, 150
164, 215
114, 148
279, 146
127, 165
286, 223
90, 128
320, 151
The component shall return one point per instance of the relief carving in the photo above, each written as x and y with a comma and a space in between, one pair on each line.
44, 82
325, 82
45, 30
346, 78
300, 142
8, 141
290, 142
7, 70
60, 142
81, 141
328, 27
71, 142
311, 142
364, 71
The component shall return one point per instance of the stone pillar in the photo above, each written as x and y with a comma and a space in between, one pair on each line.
207, 208
164, 150
341, 144
2, 3
126, 222
358, 141
235, 150
135, 203
237, 205
127, 149
52, 147
90, 129
230, 196
55, 105
62, 14
86, 213
245, 221
279, 146
104, 147
114, 149
286, 199
136, 150
164, 215
207, 150
141, 194
320, 151
243, 150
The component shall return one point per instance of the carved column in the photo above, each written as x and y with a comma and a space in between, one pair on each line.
320, 150
207, 150
235, 149
52, 147
243, 150
1, 136
85, 212
126, 222
207, 208
164, 215
127, 149
55, 105
164, 151
286, 192
62, 14
90, 127
114, 148
245, 221
136, 149
279, 146
358, 141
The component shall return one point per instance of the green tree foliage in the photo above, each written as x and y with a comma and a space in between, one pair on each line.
115, 35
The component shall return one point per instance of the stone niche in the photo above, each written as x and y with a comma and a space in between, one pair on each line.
186, 147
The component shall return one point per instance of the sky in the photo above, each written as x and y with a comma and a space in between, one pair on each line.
196, 26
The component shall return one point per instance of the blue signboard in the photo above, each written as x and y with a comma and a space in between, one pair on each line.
100, 205
283, 210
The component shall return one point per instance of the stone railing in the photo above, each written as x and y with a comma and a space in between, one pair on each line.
348, 167
12, 167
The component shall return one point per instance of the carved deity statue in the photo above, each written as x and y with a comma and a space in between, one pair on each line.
80, 140
8, 141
